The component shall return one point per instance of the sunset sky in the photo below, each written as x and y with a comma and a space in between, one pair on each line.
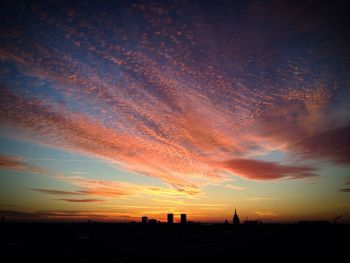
112, 110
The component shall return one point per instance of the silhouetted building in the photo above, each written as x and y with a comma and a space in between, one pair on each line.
235, 220
314, 222
144, 220
252, 222
183, 218
152, 221
170, 218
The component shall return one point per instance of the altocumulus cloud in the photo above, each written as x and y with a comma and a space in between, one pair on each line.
166, 112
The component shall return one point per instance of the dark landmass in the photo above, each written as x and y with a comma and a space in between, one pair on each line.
103, 242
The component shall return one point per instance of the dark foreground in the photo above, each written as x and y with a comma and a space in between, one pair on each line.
36, 242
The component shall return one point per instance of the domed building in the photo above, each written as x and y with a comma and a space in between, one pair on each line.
235, 220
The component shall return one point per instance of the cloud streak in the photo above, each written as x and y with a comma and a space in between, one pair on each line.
80, 200
111, 189
258, 199
234, 187
332, 144
346, 187
60, 215
17, 164
56, 192
91, 187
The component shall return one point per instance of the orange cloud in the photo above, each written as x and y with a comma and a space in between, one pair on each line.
91, 187
106, 188
111, 189
265, 213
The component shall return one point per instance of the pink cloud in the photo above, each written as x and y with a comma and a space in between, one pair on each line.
332, 144
185, 157
173, 120
155, 156
261, 170
303, 128
17, 163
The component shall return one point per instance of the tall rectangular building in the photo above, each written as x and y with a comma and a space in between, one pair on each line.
144, 220
183, 218
170, 218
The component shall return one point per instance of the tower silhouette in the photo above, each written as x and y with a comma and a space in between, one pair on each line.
170, 218
235, 219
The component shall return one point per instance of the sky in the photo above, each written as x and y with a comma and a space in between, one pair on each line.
113, 110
